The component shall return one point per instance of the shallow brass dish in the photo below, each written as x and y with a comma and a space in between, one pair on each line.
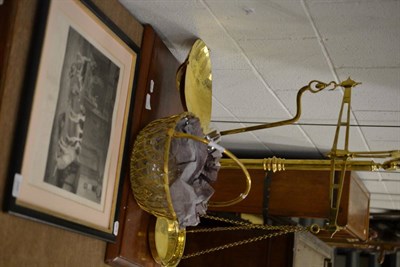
167, 241
194, 80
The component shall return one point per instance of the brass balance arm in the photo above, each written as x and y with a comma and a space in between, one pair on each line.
279, 164
375, 154
314, 87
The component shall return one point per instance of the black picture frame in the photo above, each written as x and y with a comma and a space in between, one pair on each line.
91, 109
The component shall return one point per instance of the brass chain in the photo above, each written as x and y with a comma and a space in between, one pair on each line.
283, 229
255, 226
218, 229
238, 243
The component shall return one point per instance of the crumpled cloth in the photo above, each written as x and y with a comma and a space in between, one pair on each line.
194, 166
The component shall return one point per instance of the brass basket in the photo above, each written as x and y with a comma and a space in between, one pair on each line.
150, 171
153, 171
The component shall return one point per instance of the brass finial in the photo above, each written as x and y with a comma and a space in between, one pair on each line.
349, 83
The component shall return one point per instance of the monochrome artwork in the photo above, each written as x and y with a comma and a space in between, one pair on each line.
82, 124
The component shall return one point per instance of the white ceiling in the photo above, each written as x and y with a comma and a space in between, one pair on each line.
263, 51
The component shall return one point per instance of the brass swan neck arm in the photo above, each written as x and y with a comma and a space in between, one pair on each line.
314, 87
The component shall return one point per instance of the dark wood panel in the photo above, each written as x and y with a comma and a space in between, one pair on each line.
306, 195
303, 194
358, 209
276, 251
231, 183
7, 17
159, 65
299, 194
353, 214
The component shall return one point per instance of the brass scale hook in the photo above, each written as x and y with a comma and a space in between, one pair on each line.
339, 159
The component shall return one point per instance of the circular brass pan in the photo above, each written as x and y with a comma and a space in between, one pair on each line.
167, 241
195, 78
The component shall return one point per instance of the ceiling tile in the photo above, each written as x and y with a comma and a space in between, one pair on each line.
339, 1
382, 139
184, 22
378, 118
320, 136
224, 51
323, 137
391, 202
393, 176
379, 91
382, 204
288, 64
189, 17
262, 19
359, 33
393, 187
383, 197
364, 175
376, 187
288, 141
220, 112
242, 93
243, 141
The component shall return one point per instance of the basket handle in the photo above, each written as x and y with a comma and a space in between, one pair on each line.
235, 159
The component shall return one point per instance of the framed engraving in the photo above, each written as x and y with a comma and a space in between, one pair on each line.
71, 146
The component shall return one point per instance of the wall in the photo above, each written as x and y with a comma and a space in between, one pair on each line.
24, 242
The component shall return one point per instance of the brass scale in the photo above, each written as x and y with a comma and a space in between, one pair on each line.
194, 80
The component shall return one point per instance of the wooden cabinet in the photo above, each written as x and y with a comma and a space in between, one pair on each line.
157, 69
306, 194
231, 183
303, 194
